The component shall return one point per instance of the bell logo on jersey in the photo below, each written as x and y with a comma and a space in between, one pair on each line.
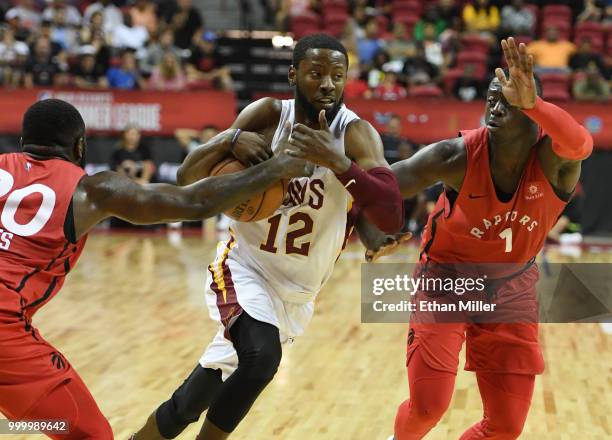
534, 191
307, 191
501, 221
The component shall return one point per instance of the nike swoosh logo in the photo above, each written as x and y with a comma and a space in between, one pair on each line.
472, 196
350, 182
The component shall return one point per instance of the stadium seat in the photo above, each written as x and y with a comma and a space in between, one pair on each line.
478, 60
334, 24
406, 7
450, 78
383, 25
536, 16
592, 31
556, 86
557, 11
303, 25
564, 27
409, 20
426, 91
334, 9
475, 43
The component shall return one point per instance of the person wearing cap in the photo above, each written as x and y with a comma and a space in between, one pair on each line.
25, 12
204, 65
72, 17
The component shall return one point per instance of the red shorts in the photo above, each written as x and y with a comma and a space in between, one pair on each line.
36, 380
499, 347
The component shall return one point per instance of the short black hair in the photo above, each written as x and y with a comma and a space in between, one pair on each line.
52, 122
538, 81
316, 41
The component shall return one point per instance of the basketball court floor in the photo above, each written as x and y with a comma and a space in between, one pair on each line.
133, 322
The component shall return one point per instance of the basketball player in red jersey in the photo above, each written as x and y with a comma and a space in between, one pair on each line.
47, 206
505, 186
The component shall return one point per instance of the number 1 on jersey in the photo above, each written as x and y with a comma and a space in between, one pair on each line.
507, 235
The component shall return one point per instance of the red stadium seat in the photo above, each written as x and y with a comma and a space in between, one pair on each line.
557, 11
564, 27
536, 16
406, 7
556, 86
478, 60
383, 25
523, 39
592, 31
409, 21
335, 24
303, 25
426, 91
334, 9
334, 4
450, 78
475, 43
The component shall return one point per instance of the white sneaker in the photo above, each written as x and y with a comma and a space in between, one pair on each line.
391, 438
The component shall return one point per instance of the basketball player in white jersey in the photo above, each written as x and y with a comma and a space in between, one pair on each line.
262, 285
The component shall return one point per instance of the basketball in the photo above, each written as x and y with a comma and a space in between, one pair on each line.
257, 207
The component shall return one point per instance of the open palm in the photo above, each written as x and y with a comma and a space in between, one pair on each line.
520, 89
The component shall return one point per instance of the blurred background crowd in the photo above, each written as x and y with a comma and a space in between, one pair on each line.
398, 50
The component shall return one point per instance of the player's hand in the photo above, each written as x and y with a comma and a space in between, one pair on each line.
388, 246
251, 148
316, 146
520, 89
292, 166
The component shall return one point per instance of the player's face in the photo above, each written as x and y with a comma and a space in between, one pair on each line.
498, 112
320, 80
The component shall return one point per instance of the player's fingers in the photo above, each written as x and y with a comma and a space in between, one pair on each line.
323, 121
507, 54
284, 137
404, 237
523, 56
514, 52
295, 153
530, 65
501, 76
301, 128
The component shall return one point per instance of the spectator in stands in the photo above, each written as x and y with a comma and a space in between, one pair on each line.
591, 86
584, 56
72, 17
551, 54
85, 75
126, 76
389, 89
41, 68
592, 12
432, 46
205, 65
46, 31
396, 147
430, 17
13, 55
62, 34
155, 51
369, 45
468, 88
143, 13
449, 12
186, 22
607, 18
191, 139
355, 86
480, 17
294, 8
103, 54
516, 19
376, 73
13, 20
417, 70
112, 16
133, 158
29, 17
90, 27
168, 74
400, 46
349, 41
128, 35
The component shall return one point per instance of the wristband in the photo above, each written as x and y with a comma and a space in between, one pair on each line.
235, 138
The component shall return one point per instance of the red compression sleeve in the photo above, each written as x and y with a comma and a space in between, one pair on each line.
570, 139
377, 194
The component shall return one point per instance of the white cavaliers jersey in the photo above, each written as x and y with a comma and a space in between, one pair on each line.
295, 249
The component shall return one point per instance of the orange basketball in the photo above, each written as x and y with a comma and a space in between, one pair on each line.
257, 207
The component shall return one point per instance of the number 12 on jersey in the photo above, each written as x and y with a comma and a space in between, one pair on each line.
306, 228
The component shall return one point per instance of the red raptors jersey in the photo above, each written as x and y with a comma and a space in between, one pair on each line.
478, 227
35, 254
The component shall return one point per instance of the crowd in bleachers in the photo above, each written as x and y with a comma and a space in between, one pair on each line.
137, 44
451, 47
